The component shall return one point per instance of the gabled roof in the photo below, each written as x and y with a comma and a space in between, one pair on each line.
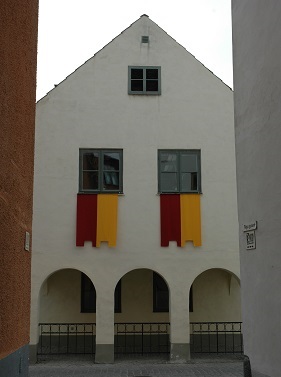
142, 16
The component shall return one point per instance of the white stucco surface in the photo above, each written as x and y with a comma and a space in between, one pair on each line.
92, 109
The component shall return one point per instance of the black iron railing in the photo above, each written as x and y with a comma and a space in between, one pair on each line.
141, 338
216, 337
66, 338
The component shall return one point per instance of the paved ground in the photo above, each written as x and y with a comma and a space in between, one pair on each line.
84, 367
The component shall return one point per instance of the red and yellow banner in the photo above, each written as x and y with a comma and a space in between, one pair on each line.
180, 219
96, 219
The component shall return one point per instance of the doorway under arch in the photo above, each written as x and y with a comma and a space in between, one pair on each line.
142, 326
215, 318
67, 320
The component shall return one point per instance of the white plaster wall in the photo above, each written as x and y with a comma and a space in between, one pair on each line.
91, 109
257, 56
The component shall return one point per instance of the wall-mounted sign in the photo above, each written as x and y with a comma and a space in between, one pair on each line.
27, 241
250, 240
252, 226
249, 230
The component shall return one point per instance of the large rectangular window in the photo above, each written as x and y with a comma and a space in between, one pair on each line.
179, 171
144, 80
100, 170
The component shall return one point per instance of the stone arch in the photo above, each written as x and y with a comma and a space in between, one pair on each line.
60, 297
142, 326
65, 327
216, 296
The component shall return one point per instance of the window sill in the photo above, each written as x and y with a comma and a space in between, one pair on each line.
177, 193
99, 192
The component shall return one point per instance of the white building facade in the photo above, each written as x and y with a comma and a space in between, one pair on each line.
135, 213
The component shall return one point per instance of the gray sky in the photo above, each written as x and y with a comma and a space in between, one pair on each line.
72, 31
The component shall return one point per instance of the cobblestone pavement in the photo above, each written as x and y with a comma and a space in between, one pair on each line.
84, 367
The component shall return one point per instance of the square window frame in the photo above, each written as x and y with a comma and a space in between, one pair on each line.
101, 152
196, 152
144, 91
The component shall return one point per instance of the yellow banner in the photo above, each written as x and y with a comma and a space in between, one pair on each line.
190, 219
107, 209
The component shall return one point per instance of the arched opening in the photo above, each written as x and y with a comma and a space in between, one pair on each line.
142, 324
67, 314
215, 317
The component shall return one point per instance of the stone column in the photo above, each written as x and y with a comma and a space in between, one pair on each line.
179, 319
105, 326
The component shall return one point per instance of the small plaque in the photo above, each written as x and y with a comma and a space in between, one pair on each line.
250, 240
250, 226
27, 241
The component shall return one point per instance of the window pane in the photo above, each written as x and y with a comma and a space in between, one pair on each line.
160, 294
168, 162
88, 295
189, 162
189, 182
152, 86
90, 180
111, 161
89, 302
169, 182
90, 161
152, 73
162, 301
111, 180
136, 73
137, 86
117, 298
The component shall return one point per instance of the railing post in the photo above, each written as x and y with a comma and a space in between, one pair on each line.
67, 339
142, 338
50, 344
59, 339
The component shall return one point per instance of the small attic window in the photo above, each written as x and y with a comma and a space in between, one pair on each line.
144, 80
145, 39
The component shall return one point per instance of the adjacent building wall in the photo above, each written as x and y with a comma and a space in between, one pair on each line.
18, 50
257, 94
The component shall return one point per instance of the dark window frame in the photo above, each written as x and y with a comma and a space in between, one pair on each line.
101, 170
145, 80
88, 295
90, 306
118, 297
179, 171
160, 304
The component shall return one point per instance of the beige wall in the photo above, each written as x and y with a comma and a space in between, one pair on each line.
60, 299
216, 297
137, 298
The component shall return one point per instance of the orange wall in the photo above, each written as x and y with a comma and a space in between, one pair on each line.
18, 52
